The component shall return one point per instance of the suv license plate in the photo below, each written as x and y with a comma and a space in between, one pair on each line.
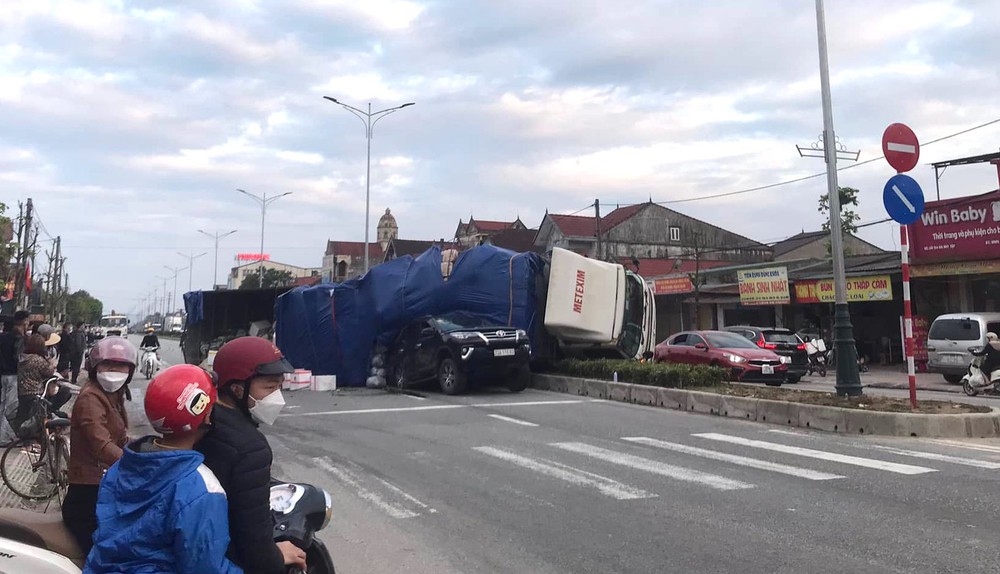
767, 369
503, 352
952, 359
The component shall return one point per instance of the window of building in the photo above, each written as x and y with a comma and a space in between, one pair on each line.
675, 234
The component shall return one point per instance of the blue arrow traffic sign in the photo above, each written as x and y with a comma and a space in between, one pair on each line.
903, 199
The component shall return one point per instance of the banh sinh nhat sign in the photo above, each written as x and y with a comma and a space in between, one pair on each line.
252, 257
768, 286
859, 289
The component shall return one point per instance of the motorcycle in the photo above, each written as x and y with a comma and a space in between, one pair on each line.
975, 379
816, 350
41, 544
150, 362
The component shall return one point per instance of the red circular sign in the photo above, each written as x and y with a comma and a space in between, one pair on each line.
900, 147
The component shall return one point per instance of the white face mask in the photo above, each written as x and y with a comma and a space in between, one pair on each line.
111, 381
266, 410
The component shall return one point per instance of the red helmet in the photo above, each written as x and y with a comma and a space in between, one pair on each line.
241, 359
115, 349
178, 400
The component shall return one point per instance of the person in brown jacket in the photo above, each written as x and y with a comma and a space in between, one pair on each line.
32, 372
98, 433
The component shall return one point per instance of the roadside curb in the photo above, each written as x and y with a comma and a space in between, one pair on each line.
817, 417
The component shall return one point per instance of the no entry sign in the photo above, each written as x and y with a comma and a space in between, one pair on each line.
900, 147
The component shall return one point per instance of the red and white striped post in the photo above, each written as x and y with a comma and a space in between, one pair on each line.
904, 248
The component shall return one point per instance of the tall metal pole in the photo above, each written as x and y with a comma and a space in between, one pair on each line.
264, 201
216, 236
191, 257
369, 119
848, 375
176, 271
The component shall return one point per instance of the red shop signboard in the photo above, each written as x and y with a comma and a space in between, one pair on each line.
964, 228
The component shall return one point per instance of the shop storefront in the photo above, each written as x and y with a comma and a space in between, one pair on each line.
956, 256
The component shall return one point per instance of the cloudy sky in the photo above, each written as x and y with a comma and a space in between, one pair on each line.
131, 122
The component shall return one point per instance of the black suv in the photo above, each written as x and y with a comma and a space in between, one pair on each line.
456, 347
783, 342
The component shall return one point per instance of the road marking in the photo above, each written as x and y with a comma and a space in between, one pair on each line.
818, 454
969, 445
406, 495
513, 420
438, 408
904, 199
355, 482
605, 485
655, 467
941, 457
791, 433
735, 459
414, 397
905, 148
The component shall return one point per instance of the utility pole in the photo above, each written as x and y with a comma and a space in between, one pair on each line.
191, 257
22, 260
215, 269
597, 223
848, 377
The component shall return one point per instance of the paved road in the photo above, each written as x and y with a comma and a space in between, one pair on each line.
547, 483
541, 482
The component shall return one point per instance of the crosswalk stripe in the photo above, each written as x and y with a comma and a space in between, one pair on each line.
355, 482
513, 420
735, 459
655, 467
606, 486
818, 454
969, 445
940, 457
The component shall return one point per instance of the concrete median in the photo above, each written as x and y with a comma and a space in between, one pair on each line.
816, 417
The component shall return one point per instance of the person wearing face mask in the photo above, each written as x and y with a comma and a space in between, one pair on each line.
98, 433
159, 508
250, 371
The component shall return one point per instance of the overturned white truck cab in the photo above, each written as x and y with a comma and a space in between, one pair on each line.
597, 309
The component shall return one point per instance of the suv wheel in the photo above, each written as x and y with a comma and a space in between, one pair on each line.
450, 377
792, 379
397, 377
520, 380
953, 379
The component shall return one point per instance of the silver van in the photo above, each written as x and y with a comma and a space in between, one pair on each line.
950, 337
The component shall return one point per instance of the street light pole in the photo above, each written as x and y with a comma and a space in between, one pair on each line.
191, 257
175, 271
264, 201
848, 375
369, 119
163, 316
216, 236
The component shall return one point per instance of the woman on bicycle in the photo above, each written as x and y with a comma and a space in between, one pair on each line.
98, 433
32, 372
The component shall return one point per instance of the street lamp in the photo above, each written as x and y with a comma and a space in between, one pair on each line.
369, 119
216, 236
848, 377
264, 201
175, 271
164, 313
191, 257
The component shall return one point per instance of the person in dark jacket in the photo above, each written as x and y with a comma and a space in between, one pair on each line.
66, 350
250, 371
159, 508
80, 349
11, 345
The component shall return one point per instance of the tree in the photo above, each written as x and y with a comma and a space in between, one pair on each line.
7, 244
81, 306
272, 278
848, 217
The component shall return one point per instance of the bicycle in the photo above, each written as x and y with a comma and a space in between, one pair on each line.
36, 467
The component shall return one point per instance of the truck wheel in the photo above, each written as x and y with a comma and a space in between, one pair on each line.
452, 380
520, 380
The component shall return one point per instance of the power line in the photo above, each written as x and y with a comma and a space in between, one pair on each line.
821, 174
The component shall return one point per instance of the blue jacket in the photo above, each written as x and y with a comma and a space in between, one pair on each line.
160, 512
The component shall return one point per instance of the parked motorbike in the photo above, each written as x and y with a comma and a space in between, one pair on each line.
816, 350
976, 380
40, 543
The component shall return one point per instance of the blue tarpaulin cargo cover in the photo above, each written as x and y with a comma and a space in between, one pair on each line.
333, 329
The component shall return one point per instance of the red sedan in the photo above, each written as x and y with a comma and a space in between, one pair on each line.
744, 360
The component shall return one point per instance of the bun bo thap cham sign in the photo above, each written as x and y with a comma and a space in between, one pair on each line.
869, 288
768, 286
